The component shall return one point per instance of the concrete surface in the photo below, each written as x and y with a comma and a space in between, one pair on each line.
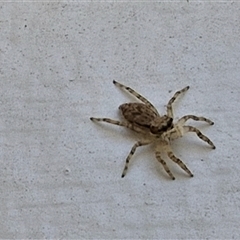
61, 174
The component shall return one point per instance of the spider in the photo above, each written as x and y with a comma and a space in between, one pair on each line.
144, 118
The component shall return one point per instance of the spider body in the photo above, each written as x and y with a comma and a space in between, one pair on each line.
142, 115
143, 118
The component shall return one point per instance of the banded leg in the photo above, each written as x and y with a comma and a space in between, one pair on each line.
200, 135
137, 144
158, 156
179, 162
169, 105
108, 120
118, 123
182, 120
137, 95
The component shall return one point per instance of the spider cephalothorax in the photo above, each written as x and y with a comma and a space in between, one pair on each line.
161, 124
143, 118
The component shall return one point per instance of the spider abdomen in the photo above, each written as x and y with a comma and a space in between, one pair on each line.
138, 113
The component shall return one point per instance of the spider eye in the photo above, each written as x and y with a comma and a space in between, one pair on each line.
160, 126
170, 122
164, 128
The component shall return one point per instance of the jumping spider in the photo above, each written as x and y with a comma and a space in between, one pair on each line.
144, 118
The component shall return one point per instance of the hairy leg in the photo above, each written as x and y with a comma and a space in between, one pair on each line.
118, 123
182, 120
187, 129
169, 105
166, 168
179, 162
137, 95
137, 144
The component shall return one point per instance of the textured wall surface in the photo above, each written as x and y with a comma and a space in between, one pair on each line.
60, 174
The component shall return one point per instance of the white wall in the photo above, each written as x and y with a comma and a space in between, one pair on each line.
60, 173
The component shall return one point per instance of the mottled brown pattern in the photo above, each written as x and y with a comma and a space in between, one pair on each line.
144, 118
138, 113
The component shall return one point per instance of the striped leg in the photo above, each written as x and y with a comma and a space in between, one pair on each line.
137, 144
182, 120
118, 123
169, 105
108, 120
137, 95
179, 162
200, 135
158, 156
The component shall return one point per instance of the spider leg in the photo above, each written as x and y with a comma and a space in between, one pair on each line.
187, 129
118, 123
137, 144
169, 105
179, 162
182, 120
158, 156
137, 95
108, 120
